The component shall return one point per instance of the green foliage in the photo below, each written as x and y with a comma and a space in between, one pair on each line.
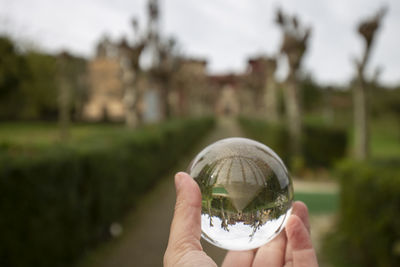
322, 146
29, 83
385, 137
39, 90
58, 201
312, 94
384, 101
12, 71
273, 135
368, 231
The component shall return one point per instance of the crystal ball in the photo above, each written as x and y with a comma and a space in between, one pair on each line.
246, 190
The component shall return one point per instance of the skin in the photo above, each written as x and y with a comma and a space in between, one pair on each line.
291, 248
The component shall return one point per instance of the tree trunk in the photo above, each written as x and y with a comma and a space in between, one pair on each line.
271, 99
361, 131
328, 111
165, 96
132, 98
63, 108
293, 110
131, 119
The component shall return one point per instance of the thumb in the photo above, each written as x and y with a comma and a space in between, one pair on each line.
186, 224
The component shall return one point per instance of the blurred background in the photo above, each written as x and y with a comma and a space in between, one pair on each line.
102, 102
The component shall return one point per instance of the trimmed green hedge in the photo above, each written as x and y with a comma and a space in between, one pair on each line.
56, 203
322, 146
368, 230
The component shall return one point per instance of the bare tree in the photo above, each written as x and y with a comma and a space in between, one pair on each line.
294, 46
367, 30
163, 73
129, 59
271, 91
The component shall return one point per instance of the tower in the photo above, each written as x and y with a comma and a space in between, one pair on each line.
153, 10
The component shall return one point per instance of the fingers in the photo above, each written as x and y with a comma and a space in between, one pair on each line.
238, 258
299, 241
276, 252
186, 224
272, 253
300, 209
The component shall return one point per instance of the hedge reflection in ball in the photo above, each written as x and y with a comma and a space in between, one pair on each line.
246, 193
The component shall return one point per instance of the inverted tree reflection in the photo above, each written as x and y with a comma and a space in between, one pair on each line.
242, 189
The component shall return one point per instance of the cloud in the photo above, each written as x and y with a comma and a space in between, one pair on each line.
226, 32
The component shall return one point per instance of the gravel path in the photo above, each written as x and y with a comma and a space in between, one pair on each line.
145, 230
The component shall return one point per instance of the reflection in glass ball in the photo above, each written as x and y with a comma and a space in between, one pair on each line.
246, 193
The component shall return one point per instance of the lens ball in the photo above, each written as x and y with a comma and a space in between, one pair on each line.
246, 190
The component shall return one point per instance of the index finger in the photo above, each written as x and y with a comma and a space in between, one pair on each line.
300, 249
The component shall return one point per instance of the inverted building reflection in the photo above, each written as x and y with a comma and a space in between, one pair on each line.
242, 189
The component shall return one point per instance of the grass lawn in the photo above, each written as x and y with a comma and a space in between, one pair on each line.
384, 133
385, 138
319, 203
44, 133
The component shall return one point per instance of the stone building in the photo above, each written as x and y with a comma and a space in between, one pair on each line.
192, 91
192, 94
226, 87
242, 93
105, 83
254, 85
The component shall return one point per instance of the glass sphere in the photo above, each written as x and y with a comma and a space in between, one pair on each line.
246, 190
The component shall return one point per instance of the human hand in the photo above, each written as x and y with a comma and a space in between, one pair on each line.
291, 247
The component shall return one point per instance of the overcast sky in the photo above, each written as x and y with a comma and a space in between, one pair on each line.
225, 32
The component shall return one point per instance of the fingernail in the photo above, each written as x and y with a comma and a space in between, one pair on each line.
178, 180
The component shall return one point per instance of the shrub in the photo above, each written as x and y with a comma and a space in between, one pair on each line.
273, 135
368, 230
322, 146
57, 202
